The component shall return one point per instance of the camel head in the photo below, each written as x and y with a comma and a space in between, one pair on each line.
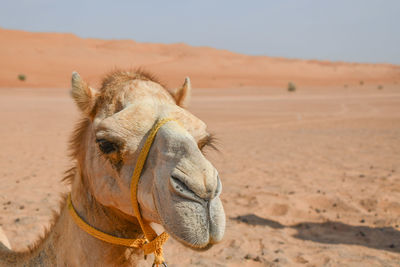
178, 188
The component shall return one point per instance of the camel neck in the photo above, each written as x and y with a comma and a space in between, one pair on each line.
107, 220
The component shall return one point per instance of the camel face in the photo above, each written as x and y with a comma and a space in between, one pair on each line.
186, 188
179, 188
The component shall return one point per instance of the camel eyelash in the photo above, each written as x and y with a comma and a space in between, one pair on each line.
208, 141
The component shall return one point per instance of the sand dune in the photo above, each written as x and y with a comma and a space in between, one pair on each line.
47, 59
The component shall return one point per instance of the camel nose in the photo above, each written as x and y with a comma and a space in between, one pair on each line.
200, 189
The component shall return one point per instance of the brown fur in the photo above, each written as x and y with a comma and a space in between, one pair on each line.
75, 142
118, 77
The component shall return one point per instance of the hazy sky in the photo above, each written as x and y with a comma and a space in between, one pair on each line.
340, 30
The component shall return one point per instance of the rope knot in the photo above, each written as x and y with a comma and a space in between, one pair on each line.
155, 246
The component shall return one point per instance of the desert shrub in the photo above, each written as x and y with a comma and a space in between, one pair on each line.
380, 87
291, 87
21, 77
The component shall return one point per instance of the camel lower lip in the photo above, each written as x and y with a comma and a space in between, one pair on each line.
205, 248
195, 247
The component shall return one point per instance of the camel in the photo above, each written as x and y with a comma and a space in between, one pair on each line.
178, 189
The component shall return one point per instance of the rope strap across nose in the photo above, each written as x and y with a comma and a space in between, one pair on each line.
155, 242
152, 243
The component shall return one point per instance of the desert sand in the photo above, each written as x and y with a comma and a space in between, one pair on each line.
310, 178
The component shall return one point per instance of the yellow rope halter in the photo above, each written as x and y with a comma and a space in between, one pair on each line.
152, 243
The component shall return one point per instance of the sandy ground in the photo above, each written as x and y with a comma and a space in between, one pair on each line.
310, 178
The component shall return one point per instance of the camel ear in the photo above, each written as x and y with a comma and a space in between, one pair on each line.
84, 96
182, 95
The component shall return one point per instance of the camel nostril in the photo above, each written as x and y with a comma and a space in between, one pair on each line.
183, 190
179, 185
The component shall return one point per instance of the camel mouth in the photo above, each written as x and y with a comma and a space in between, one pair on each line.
198, 231
192, 221
193, 246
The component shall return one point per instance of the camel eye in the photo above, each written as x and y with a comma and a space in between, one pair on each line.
106, 146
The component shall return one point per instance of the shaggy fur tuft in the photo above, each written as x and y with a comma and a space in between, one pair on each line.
120, 76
